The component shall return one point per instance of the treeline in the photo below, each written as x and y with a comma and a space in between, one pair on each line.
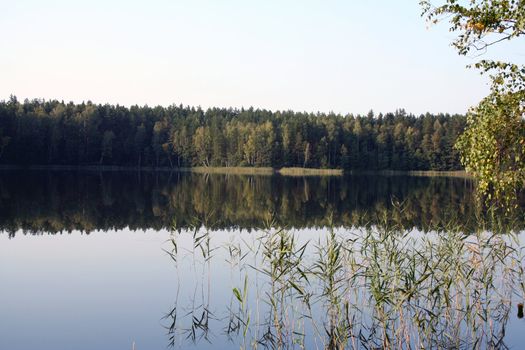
39, 132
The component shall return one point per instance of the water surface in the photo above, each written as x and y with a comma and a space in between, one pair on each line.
106, 260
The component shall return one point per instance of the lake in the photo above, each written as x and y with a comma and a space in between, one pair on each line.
156, 260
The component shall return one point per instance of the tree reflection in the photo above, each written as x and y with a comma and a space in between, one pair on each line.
56, 202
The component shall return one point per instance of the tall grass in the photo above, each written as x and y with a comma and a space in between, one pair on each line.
234, 170
379, 287
267, 171
309, 172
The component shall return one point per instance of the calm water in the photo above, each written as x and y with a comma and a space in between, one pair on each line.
114, 260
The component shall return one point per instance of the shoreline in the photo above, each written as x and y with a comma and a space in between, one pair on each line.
429, 173
264, 171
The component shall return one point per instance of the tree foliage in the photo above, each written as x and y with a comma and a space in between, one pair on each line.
479, 23
492, 145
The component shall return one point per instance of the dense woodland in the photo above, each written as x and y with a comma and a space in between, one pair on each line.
39, 132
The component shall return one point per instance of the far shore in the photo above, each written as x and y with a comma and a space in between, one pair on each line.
242, 170
446, 173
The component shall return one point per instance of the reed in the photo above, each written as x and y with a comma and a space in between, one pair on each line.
266, 171
309, 172
233, 170
383, 286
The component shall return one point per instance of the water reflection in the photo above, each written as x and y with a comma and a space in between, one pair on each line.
257, 262
54, 202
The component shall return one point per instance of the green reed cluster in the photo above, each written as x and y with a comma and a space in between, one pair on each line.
383, 286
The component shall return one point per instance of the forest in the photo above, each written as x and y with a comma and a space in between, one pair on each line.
51, 132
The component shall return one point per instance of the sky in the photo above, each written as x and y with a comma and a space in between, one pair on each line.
343, 56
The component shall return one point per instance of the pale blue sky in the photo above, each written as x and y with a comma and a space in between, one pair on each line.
344, 56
